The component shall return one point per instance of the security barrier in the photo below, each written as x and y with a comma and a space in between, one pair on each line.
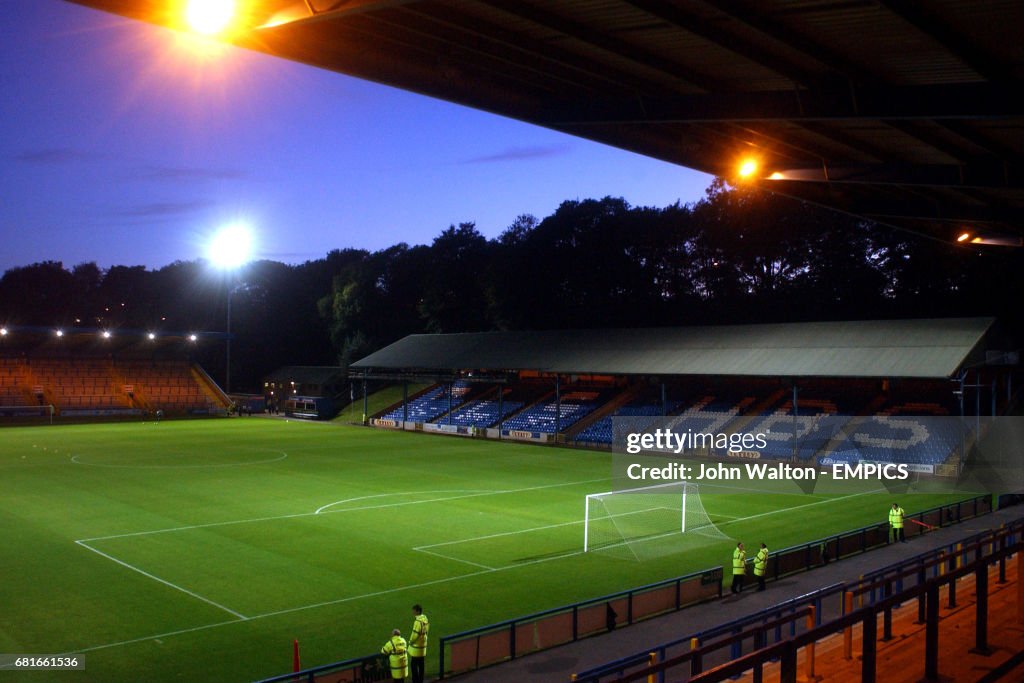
843, 606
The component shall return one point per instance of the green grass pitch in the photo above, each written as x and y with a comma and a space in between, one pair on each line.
197, 550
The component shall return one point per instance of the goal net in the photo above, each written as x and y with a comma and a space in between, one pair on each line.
647, 522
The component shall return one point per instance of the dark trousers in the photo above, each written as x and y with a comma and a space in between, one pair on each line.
760, 582
416, 665
737, 583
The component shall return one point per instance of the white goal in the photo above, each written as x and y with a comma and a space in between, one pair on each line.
647, 521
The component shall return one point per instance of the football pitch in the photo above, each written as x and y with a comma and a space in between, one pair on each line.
198, 550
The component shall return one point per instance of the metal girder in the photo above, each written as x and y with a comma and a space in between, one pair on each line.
919, 102
337, 9
608, 43
751, 16
537, 54
974, 174
936, 29
678, 17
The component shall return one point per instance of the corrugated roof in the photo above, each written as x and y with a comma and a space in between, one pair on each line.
931, 348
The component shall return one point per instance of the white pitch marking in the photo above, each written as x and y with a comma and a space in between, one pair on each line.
805, 505
164, 581
391, 590
536, 528
355, 509
478, 493
75, 460
454, 559
401, 493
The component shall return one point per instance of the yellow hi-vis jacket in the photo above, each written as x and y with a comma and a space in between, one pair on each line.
896, 518
739, 562
418, 638
395, 649
761, 562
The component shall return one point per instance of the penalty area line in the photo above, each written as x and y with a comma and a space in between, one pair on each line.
398, 589
165, 582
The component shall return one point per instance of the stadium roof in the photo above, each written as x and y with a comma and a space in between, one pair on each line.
905, 112
933, 349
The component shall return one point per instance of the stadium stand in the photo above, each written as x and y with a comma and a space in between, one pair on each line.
13, 388
601, 432
95, 386
432, 403
549, 416
484, 412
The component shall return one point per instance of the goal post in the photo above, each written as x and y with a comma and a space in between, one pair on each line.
631, 517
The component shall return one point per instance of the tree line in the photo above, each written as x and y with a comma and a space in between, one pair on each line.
735, 256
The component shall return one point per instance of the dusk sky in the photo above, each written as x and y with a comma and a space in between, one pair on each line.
125, 144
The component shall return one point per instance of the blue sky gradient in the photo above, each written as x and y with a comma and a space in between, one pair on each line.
128, 144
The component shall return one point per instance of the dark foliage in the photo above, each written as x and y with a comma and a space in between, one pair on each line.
737, 256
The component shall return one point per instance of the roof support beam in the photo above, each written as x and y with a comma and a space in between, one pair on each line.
608, 43
924, 102
974, 174
679, 18
939, 31
752, 16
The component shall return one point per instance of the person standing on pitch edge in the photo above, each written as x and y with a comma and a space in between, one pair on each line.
398, 660
761, 565
418, 643
739, 568
896, 523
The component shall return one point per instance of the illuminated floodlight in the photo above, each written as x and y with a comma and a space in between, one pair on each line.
231, 247
59, 333
747, 168
106, 334
209, 17
151, 336
964, 236
192, 337
3, 331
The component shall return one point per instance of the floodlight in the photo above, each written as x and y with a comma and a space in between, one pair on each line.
192, 337
151, 336
990, 239
747, 168
231, 247
3, 331
106, 334
209, 17
59, 333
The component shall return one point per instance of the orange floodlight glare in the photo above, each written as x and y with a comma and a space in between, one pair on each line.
747, 168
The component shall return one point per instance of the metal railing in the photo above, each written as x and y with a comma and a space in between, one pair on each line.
481, 647
358, 670
484, 646
802, 557
837, 599
926, 592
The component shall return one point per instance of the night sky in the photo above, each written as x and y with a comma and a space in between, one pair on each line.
128, 144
